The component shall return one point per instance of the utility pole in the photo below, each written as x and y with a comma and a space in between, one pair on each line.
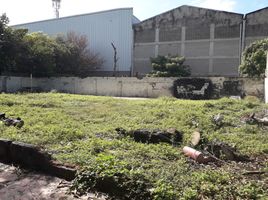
56, 6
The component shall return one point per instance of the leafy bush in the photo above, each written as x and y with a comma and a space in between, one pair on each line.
169, 66
110, 175
254, 59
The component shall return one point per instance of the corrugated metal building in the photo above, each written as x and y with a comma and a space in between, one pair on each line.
102, 29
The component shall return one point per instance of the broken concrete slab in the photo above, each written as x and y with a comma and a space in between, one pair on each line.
4, 149
32, 185
31, 157
28, 155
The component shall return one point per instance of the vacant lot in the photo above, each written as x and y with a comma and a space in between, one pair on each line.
81, 130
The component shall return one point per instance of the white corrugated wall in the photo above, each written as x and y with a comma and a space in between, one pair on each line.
101, 28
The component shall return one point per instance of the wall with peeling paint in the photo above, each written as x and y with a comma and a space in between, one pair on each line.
130, 87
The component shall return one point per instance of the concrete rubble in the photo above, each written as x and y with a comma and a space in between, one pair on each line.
170, 136
18, 122
213, 151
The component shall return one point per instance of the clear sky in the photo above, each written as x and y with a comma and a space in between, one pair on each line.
23, 11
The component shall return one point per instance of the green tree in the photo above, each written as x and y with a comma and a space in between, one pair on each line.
4, 35
254, 59
169, 66
12, 46
41, 54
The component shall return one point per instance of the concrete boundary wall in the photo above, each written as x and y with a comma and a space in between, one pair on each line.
129, 87
266, 90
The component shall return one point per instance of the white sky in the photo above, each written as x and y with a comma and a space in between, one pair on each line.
23, 11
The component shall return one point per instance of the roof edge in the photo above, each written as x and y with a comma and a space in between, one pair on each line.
79, 15
193, 7
256, 11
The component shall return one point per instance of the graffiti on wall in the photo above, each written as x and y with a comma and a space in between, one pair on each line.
193, 88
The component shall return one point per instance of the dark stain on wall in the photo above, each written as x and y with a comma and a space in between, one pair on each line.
232, 88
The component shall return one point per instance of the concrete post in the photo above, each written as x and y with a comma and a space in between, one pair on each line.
266, 81
211, 47
242, 39
156, 52
183, 38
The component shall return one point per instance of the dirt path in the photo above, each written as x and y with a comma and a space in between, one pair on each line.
133, 98
16, 184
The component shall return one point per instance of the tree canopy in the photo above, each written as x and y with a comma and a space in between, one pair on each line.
254, 59
36, 53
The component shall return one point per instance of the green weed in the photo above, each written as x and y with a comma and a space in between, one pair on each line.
80, 129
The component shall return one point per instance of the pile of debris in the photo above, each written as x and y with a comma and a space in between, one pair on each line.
170, 136
215, 151
200, 149
253, 119
18, 122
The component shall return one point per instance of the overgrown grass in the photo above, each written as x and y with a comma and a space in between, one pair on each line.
81, 130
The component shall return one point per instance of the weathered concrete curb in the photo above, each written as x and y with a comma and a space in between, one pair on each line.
31, 157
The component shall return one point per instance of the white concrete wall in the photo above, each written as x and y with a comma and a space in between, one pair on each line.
266, 90
123, 86
103, 86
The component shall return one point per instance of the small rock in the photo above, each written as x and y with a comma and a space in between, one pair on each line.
196, 137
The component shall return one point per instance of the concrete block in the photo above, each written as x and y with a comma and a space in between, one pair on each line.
142, 67
197, 49
257, 30
13, 84
28, 156
170, 34
109, 87
144, 51
227, 31
197, 32
254, 87
145, 35
169, 49
61, 171
4, 149
198, 66
225, 66
135, 88
226, 48
266, 90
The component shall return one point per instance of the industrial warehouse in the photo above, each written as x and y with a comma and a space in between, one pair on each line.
211, 41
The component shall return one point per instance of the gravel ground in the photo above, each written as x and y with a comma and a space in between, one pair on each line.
17, 184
